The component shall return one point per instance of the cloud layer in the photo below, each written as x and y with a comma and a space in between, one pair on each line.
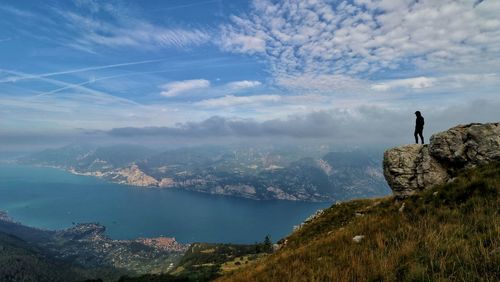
344, 41
232, 101
361, 125
90, 25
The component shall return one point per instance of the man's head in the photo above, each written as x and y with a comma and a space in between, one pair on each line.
417, 113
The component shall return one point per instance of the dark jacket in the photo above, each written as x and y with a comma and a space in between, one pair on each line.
420, 123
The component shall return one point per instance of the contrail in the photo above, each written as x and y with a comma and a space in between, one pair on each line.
124, 75
20, 77
69, 85
99, 79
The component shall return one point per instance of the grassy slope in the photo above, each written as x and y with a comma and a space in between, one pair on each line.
451, 235
206, 261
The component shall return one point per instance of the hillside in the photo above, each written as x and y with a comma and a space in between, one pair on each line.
22, 261
80, 252
206, 261
448, 232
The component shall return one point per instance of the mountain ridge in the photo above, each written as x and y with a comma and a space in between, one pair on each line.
242, 172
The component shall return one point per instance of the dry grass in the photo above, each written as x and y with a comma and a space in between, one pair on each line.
449, 236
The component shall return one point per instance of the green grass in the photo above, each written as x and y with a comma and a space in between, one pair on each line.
206, 261
448, 233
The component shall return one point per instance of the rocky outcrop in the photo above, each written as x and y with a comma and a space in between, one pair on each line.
466, 146
137, 177
412, 168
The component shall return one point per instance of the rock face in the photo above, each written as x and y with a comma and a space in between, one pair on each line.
137, 177
467, 145
411, 168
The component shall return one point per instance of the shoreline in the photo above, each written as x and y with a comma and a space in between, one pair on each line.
157, 187
6, 218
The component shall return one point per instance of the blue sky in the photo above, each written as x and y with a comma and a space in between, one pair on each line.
338, 66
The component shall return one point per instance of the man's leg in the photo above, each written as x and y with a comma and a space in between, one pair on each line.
421, 136
416, 136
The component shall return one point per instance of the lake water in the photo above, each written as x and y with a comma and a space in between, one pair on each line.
54, 199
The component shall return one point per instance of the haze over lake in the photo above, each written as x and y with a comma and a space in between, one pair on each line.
54, 199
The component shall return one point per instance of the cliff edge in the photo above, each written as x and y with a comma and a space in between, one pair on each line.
412, 168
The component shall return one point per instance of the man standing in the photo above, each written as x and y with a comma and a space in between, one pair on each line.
419, 127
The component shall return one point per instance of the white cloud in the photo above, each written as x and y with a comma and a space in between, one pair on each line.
318, 38
442, 82
243, 43
177, 87
125, 31
231, 101
243, 84
174, 88
321, 82
413, 83
146, 35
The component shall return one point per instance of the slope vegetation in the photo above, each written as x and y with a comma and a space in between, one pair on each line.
450, 232
21, 261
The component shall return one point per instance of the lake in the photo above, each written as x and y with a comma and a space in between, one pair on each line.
54, 199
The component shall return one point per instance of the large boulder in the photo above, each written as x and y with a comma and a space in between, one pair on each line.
412, 168
467, 145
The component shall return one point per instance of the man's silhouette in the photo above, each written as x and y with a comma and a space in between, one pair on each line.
419, 127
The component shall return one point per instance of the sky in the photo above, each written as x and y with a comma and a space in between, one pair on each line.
347, 71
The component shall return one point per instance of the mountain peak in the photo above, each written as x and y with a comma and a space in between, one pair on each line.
411, 168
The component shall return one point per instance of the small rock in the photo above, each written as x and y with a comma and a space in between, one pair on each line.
402, 208
435, 193
276, 247
358, 238
359, 214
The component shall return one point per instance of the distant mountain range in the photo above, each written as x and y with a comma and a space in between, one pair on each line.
254, 173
